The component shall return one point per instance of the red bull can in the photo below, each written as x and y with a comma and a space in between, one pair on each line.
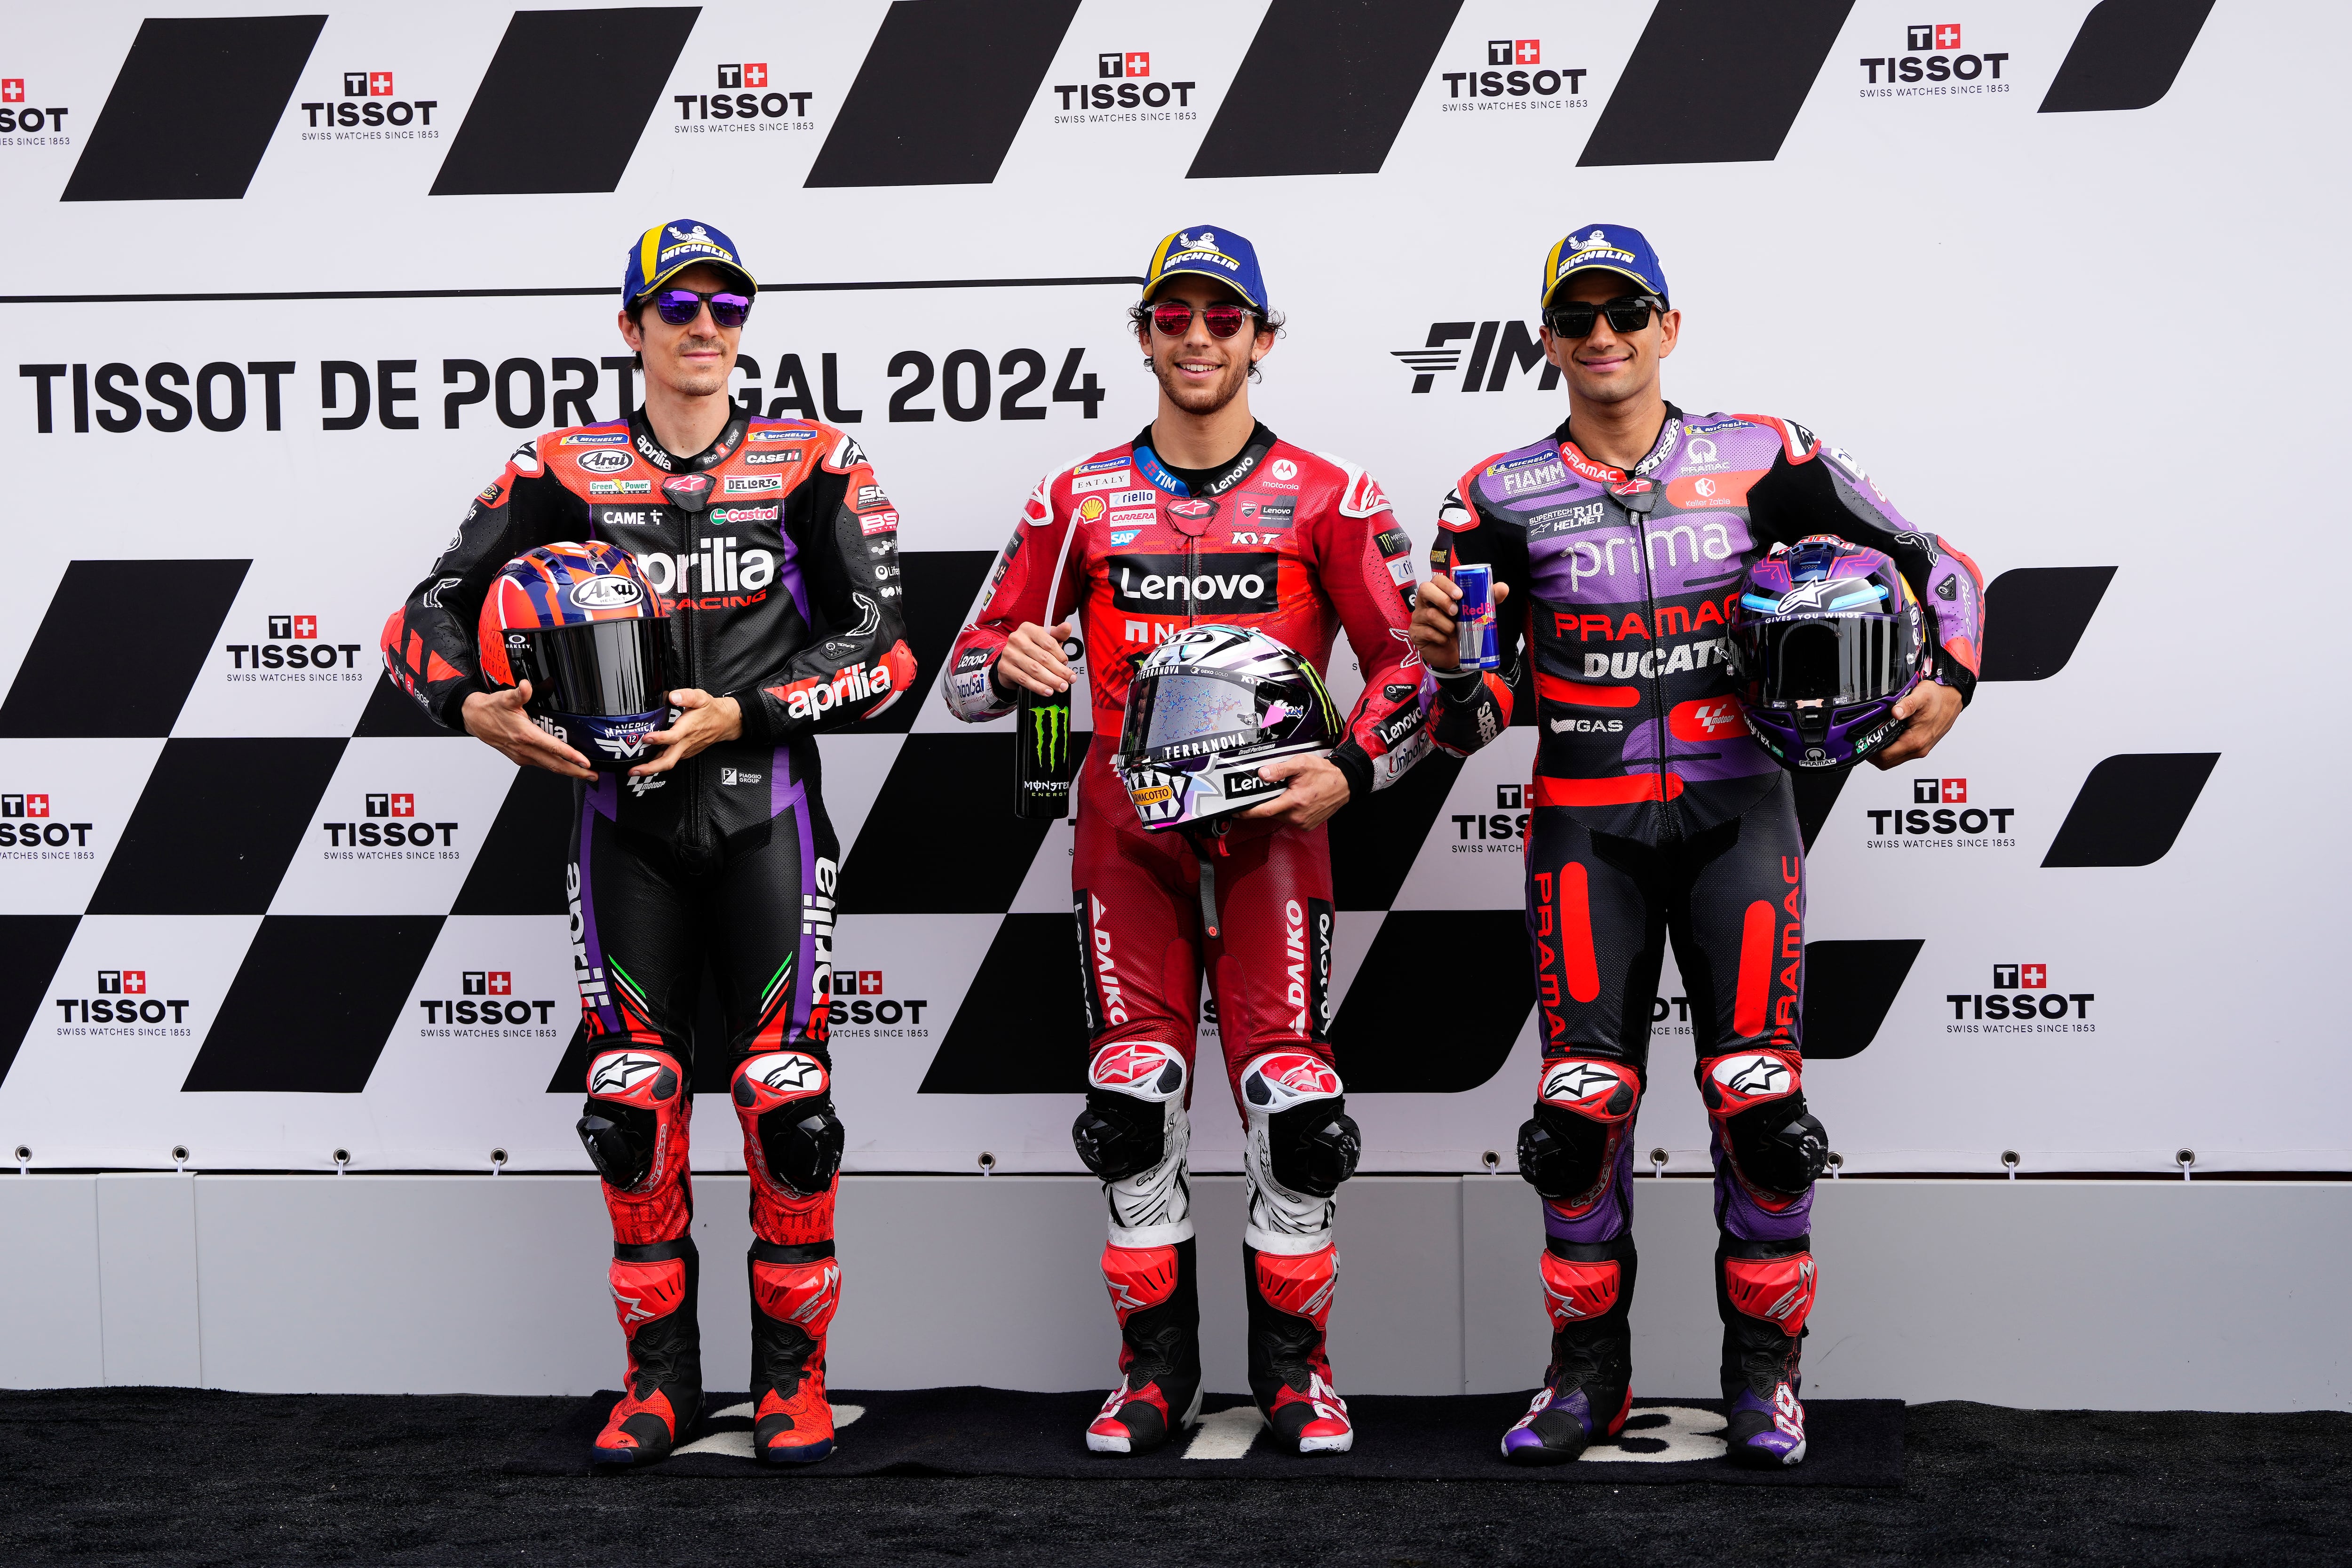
1474, 618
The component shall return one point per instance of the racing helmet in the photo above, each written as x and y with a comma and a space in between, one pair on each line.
1206, 710
1826, 639
583, 626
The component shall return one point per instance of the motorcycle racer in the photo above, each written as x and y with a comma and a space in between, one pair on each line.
1207, 516
1618, 545
772, 549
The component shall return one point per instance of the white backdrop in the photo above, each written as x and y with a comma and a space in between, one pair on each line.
2061, 339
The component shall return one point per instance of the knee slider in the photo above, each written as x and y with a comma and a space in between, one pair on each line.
1130, 1086
628, 1090
785, 1099
1312, 1143
1758, 1097
1582, 1111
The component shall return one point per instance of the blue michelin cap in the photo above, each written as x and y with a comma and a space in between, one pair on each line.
1217, 253
667, 249
1608, 248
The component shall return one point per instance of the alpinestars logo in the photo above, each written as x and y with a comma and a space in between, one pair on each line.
1940, 816
1933, 66
1515, 77
19, 118
2020, 1001
1495, 350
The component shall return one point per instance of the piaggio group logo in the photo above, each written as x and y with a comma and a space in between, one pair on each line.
1941, 816
369, 111
1500, 831
2020, 1001
23, 123
390, 830
1494, 349
1934, 66
1125, 92
29, 831
862, 1008
124, 1005
746, 102
488, 1007
1515, 77
294, 651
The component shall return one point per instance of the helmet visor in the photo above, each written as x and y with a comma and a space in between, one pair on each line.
1832, 659
1177, 713
604, 670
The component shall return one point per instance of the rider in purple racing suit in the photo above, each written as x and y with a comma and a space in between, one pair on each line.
1618, 543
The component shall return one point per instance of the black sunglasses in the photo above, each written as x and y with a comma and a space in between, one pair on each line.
1630, 313
680, 305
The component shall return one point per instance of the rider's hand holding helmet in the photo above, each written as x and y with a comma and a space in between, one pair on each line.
582, 625
1206, 709
1827, 639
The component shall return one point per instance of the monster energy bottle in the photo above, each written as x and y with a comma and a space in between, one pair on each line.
1042, 770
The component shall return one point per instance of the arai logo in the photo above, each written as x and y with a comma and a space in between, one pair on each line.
605, 592
604, 462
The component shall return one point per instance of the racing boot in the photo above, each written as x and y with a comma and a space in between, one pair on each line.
1154, 1292
635, 1130
1763, 1291
1289, 1373
793, 1303
1589, 1387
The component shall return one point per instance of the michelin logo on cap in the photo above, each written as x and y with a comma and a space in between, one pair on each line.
1209, 252
695, 243
1593, 248
1201, 246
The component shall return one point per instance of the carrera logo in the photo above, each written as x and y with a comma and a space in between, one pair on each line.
1236, 583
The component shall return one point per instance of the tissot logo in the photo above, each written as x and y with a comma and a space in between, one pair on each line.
1495, 350
1515, 77
124, 998
1124, 79
390, 827
859, 1002
368, 111
746, 100
27, 828
1501, 829
293, 652
2021, 1000
488, 1007
1941, 816
1933, 66
19, 118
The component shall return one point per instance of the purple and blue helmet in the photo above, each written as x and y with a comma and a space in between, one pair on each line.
1828, 638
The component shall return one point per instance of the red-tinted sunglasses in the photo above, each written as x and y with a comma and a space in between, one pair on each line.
1174, 319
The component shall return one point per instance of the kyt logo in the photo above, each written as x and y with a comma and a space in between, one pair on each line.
16, 114
488, 1000
744, 93
1496, 348
1515, 77
2021, 998
1127, 69
1933, 56
122, 998
391, 824
1507, 821
292, 642
25, 824
1940, 816
368, 102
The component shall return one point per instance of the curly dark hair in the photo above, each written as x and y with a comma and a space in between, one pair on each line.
1139, 319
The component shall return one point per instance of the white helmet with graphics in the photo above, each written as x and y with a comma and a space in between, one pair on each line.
1206, 709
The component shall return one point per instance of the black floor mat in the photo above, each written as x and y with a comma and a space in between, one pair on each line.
994, 1432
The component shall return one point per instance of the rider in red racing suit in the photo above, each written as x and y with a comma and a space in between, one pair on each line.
1300, 546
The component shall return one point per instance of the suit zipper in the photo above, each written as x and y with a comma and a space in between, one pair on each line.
1657, 682
694, 803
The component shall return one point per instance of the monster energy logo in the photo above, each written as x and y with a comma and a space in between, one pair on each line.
1049, 735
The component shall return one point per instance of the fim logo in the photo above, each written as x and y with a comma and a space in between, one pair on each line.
1127, 68
1933, 56
368, 100
121, 999
497, 1003
1508, 75
293, 644
850, 990
1939, 809
16, 114
1495, 350
1508, 820
25, 825
2022, 991
390, 826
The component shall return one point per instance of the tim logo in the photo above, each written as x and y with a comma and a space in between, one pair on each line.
2020, 976
365, 84
1939, 792
295, 628
748, 75
1515, 51
488, 982
122, 982
24, 806
1115, 63
392, 804
1941, 35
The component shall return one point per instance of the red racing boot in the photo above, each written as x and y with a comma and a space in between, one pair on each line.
654, 1297
1153, 1291
1588, 1389
793, 1304
1289, 1373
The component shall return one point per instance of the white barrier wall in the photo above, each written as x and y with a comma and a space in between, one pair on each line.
290, 287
